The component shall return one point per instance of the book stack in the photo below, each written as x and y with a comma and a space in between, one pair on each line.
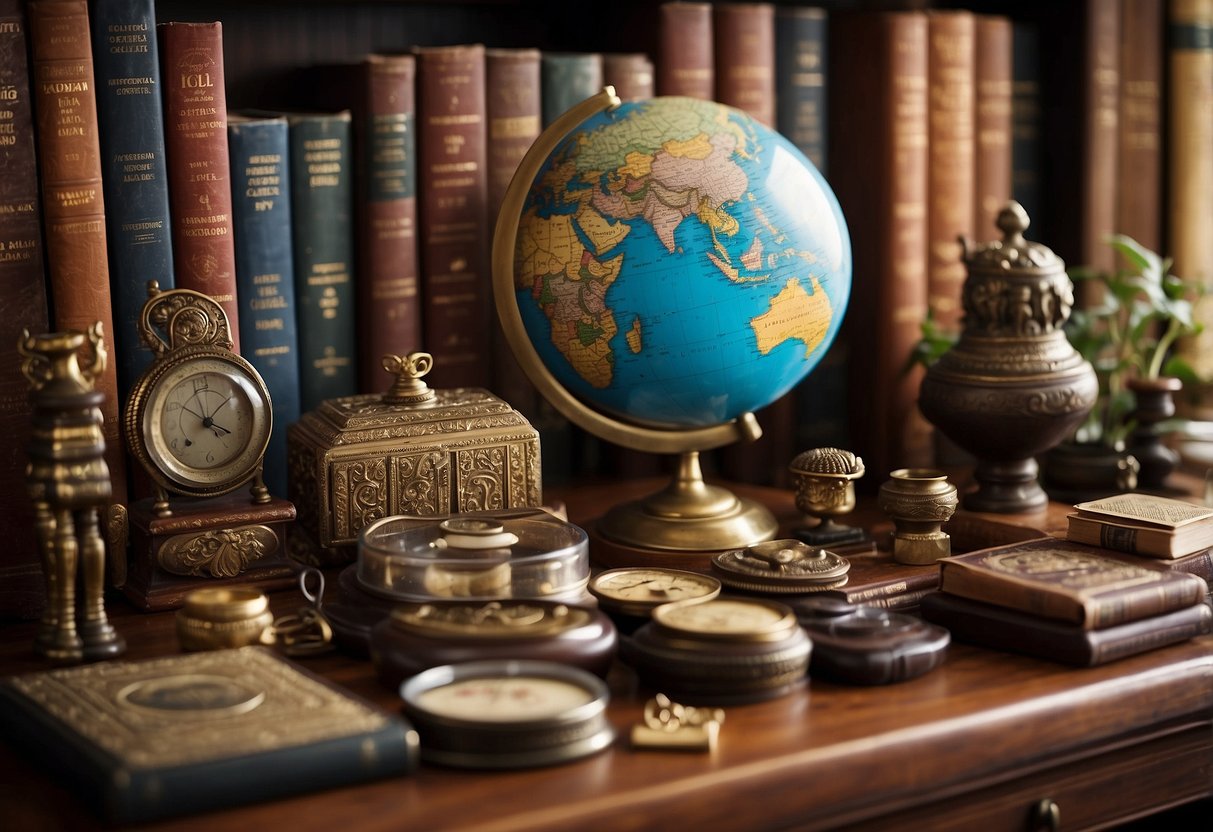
1146, 525
1069, 602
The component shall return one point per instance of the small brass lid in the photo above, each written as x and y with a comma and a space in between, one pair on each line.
1013, 253
225, 603
831, 462
781, 566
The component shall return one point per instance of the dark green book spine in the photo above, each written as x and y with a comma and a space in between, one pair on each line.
800, 73
1025, 116
567, 79
265, 287
321, 215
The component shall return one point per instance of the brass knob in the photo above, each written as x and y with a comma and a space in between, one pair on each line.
1045, 816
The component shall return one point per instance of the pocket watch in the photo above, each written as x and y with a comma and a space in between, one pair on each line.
199, 418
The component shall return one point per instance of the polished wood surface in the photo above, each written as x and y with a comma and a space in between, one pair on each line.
976, 743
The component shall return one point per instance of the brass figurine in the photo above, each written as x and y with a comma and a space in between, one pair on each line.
69, 483
825, 489
919, 501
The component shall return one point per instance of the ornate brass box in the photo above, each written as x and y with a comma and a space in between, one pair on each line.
413, 450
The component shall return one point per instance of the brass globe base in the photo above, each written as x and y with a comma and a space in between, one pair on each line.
689, 515
1006, 488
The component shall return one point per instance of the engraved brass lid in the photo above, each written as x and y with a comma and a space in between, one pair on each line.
1013, 253
492, 620
828, 462
785, 565
638, 590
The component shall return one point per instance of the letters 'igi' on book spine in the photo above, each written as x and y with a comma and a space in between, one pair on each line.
200, 190
453, 191
950, 192
73, 204
265, 282
23, 305
744, 50
685, 65
388, 298
130, 112
322, 222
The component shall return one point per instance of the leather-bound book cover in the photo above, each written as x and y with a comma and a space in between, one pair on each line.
1139, 160
951, 140
801, 45
685, 65
388, 297
878, 168
743, 47
1026, 116
993, 59
23, 289
630, 73
568, 78
130, 113
73, 203
200, 188
265, 271
1081, 585
1019, 632
452, 186
196, 732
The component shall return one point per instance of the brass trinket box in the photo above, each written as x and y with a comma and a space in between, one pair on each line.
414, 451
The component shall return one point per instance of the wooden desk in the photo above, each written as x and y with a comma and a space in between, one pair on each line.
975, 744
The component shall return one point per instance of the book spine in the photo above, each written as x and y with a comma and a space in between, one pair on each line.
1025, 116
1190, 51
453, 193
568, 78
199, 170
24, 304
73, 204
630, 73
131, 118
1135, 541
321, 219
878, 65
800, 79
1100, 129
992, 122
744, 51
1115, 607
1168, 629
261, 216
388, 298
685, 65
950, 190
1139, 163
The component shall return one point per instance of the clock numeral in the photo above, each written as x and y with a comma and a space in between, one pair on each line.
172, 407
200, 384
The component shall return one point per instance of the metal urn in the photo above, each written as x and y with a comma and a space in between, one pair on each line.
1012, 387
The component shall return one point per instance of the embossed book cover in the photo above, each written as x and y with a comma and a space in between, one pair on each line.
1143, 524
202, 731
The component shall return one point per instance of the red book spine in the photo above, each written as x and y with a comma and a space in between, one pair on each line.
744, 49
630, 73
1139, 176
69, 155
199, 177
684, 53
992, 186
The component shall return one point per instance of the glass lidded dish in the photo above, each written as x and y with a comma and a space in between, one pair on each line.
477, 555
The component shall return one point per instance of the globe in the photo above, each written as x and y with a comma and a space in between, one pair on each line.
662, 269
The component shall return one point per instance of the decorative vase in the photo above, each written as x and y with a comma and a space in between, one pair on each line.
1012, 386
1074, 472
1154, 402
919, 501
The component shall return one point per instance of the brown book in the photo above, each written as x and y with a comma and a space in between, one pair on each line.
992, 123
69, 156
196, 154
950, 191
453, 211
743, 46
989, 625
1143, 524
1190, 132
388, 299
878, 65
515, 119
685, 65
1139, 160
630, 73
23, 289
1082, 585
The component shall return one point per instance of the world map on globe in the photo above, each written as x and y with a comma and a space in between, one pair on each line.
678, 263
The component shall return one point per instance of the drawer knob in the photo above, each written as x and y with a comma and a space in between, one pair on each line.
1045, 817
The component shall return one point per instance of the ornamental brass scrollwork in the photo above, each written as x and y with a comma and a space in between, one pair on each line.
224, 553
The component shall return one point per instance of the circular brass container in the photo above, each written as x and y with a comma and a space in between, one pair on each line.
919, 501
780, 566
1012, 387
219, 618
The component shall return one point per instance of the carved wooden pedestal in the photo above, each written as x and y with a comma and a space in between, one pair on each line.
211, 542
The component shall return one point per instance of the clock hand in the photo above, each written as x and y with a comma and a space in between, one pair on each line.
220, 406
192, 413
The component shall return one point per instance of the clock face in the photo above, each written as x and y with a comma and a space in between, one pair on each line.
653, 585
504, 698
206, 424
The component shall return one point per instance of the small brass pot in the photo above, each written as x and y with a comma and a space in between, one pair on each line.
218, 618
919, 501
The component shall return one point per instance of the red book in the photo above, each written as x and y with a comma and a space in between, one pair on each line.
684, 53
744, 50
992, 123
196, 153
1139, 154
630, 73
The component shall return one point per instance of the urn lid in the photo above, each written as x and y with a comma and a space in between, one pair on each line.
1012, 254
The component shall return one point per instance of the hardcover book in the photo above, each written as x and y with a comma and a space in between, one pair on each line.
1082, 585
200, 731
1139, 146
685, 65
568, 78
630, 73
990, 625
130, 113
1143, 524
23, 287
993, 60
744, 50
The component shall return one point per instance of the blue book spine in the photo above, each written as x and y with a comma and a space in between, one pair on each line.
130, 115
321, 215
265, 288
800, 72
567, 79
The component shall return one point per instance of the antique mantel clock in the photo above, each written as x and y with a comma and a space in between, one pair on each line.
198, 422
